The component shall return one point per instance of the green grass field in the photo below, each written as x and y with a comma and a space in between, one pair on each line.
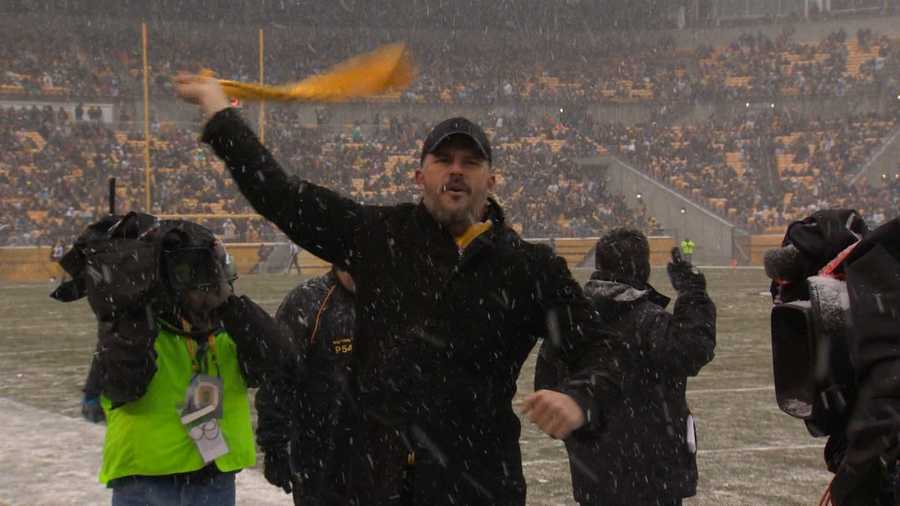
750, 453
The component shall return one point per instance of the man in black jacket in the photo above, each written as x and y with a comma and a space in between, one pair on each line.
299, 425
646, 457
449, 301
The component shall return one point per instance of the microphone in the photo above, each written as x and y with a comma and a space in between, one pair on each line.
784, 264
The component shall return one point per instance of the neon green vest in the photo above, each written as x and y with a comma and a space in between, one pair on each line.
145, 437
687, 247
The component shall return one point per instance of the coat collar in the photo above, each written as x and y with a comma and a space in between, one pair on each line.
439, 241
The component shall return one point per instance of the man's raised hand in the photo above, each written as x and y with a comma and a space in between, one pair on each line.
202, 90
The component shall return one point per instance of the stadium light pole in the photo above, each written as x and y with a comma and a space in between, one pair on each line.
146, 120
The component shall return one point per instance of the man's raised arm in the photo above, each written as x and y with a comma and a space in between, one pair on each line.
316, 218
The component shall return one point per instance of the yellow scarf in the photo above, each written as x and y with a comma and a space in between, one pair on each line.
388, 68
475, 229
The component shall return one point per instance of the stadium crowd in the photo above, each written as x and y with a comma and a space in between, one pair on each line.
65, 162
755, 66
43, 56
523, 15
760, 170
763, 169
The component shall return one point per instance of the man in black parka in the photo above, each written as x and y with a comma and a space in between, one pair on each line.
647, 455
449, 303
300, 425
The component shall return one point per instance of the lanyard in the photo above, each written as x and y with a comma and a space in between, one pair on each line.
197, 352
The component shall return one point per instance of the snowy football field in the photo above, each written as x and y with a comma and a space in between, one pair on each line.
750, 453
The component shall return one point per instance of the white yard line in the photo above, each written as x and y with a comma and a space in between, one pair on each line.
753, 449
51, 324
746, 449
702, 391
41, 352
18, 287
730, 268
770, 388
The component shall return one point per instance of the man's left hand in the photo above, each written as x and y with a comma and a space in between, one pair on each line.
557, 414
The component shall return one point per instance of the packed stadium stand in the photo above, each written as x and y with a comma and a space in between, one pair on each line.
758, 169
762, 170
65, 163
104, 60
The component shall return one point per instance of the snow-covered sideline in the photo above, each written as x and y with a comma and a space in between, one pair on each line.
50, 459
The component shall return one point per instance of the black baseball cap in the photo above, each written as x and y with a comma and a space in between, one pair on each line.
457, 126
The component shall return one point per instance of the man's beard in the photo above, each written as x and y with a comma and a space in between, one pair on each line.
457, 220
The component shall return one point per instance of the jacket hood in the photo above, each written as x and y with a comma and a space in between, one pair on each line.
608, 293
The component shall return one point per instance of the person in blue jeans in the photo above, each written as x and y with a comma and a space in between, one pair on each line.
213, 489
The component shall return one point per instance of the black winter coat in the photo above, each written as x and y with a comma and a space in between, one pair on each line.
441, 334
303, 411
643, 457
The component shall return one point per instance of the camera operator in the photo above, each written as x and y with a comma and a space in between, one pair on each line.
177, 351
835, 336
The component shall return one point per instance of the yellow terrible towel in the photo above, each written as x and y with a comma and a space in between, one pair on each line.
388, 68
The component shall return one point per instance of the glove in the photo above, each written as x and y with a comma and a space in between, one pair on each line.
684, 276
91, 410
277, 469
